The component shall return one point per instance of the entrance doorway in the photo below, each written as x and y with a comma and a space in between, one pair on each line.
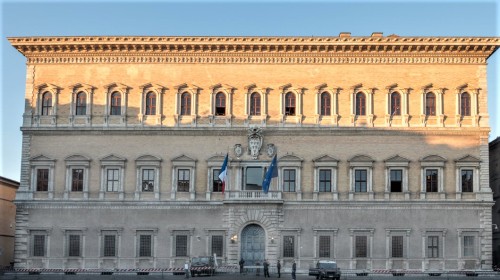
253, 245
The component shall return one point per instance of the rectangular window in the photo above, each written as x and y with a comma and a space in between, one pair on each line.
112, 180
217, 245
397, 246
289, 180
396, 180
183, 176
74, 245
324, 246
469, 246
360, 180
325, 180
288, 246
148, 180
77, 180
216, 182
431, 180
181, 245
361, 246
109, 246
39, 245
467, 179
433, 246
145, 244
42, 180
253, 178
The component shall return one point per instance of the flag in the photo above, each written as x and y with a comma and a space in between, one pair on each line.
223, 174
272, 172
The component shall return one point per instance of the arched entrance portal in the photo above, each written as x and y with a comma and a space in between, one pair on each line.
253, 246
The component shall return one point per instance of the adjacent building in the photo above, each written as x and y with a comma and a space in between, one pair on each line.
495, 187
8, 189
381, 146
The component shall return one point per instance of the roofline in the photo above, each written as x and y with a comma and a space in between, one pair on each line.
9, 182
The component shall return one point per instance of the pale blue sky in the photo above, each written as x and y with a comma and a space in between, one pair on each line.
225, 18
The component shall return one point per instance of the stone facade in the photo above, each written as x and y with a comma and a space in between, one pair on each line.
7, 220
381, 144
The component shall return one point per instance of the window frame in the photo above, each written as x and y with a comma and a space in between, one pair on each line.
46, 233
360, 104
465, 104
361, 162
255, 104
75, 162
430, 108
428, 163
395, 111
150, 103
81, 103
476, 244
332, 234
148, 162
186, 163
325, 104
289, 162
438, 233
325, 162
368, 234
153, 233
47, 109
467, 162
116, 232
115, 108
74, 232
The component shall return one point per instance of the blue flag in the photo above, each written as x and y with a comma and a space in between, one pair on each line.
272, 172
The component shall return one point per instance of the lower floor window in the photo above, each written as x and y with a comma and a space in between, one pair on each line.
433, 246
469, 246
181, 245
324, 246
217, 243
361, 246
397, 246
288, 246
109, 245
145, 244
39, 245
74, 245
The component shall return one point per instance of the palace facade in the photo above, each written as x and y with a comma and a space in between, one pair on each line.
381, 141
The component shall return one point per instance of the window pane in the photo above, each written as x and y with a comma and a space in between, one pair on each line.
361, 246
148, 180
397, 246
220, 104
324, 246
467, 180
42, 180
288, 246
468, 246
396, 180
181, 245
77, 180
39, 245
254, 178
116, 101
325, 104
217, 245
289, 180
74, 246
431, 180
183, 180
325, 180
433, 246
109, 245
255, 104
216, 182
290, 104
145, 242
360, 182
151, 103
112, 180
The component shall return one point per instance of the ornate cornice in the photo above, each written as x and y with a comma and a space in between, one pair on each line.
257, 50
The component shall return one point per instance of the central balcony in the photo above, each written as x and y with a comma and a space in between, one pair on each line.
252, 196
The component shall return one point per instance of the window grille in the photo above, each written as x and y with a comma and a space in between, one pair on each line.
217, 245
39, 245
110, 245
74, 245
361, 246
181, 245
288, 246
324, 246
145, 244
397, 246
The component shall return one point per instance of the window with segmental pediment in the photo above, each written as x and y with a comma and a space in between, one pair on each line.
42, 174
432, 168
467, 175
325, 170
361, 167
112, 175
183, 172
77, 176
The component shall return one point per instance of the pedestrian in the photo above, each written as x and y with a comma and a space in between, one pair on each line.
294, 269
186, 269
241, 263
266, 269
278, 266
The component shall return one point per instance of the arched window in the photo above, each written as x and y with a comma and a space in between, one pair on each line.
465, 104
116, 103
46, 103
150, 103
360, 104
395, 104
290, 104
325, 104
255, 104
430, 104
185, 104
220, 104
81, 103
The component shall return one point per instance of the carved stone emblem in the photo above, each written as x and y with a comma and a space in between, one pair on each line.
254, 141
271, 150
238, 150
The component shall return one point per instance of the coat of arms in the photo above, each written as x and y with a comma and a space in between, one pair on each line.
254, 141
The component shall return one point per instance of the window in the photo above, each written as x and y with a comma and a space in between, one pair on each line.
433, 246
220, 104
116, 104
181, 245
290, 104
216, 182
148, 180
81, 104
324, 246
430, 104
288, 246
289, 180
431, 180
467, 180
46, 104
39, 245
465, 104
112, 180
360, 180
397, 246
42, 180
77, 180
360, 104
325, 180
361, 246
150, 103
185, 104
145, 245
74, 248
183, 177
395, 104
396, 183
217, 245
253, 178
109, 245
469, 250
325, 104
255, 104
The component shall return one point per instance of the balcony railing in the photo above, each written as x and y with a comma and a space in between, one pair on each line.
252, 195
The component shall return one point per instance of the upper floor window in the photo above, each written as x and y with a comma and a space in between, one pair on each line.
185, 104
467, 180
360, 180
290, 104
216, 181
150, 103
430, 104
396, 180
148, 180
47, 103
220, 104
81, 103
431, 180
325, 180
116, 104
360, 104
42, 180
77, 180
112, 179
465, 104
325, 104
289, 180
255, 107
183, 179
395, 104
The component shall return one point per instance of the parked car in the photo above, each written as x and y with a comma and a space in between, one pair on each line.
325, 270
202, 265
